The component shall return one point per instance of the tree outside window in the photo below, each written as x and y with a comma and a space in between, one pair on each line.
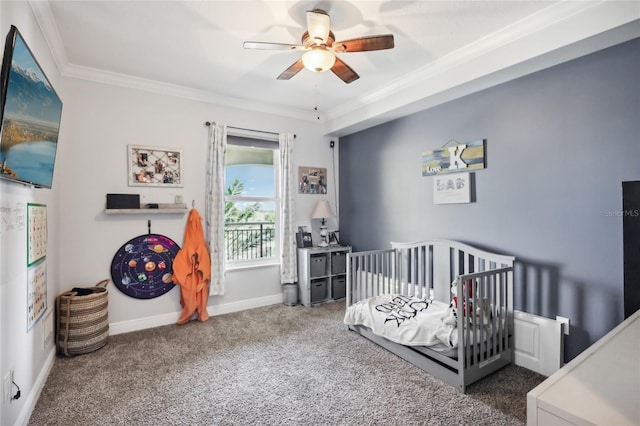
250, 204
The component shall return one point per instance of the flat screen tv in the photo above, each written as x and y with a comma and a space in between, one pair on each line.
30, 113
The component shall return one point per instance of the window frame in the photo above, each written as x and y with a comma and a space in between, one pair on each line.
259, 142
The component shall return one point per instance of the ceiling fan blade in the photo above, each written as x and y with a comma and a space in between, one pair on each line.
318, 26
344, 71
294, 69
363, 44
259, 45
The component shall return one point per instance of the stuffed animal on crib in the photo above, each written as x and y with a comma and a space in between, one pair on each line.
454, 298
452, 315
484, 316
451, 318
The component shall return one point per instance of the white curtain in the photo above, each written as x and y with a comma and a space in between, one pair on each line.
214, 206
288, 269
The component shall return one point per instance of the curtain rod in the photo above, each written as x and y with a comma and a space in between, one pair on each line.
209, 123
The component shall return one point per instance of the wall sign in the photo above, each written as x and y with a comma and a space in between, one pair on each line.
459, 158
452, 189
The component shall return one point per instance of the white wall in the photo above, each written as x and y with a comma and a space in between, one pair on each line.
101, 121
20, 349
98, 123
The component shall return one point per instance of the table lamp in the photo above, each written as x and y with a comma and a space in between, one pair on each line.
323, 211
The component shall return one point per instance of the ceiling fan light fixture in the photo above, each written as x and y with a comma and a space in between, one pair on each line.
321, 47
318, 59
318, 26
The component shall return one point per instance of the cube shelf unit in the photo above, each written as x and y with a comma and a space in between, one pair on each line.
322, 274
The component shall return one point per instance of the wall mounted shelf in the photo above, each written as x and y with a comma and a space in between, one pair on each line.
146, 211
162, 209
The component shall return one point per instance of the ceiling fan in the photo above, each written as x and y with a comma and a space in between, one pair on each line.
320, 46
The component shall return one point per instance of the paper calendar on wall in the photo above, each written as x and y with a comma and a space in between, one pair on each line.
36, 293
36, 232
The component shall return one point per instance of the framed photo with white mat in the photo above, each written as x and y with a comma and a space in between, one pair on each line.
454, 188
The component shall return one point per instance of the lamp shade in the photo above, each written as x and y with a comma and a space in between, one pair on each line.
318, 59
322, 210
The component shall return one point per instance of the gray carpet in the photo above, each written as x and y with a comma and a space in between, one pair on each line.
284, 365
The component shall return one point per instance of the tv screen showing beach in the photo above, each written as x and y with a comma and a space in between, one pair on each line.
31, 119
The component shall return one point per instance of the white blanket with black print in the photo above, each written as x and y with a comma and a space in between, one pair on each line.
407, 320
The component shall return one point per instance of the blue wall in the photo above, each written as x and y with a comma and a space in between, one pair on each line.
559, 143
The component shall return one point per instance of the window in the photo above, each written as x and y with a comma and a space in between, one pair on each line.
251, 201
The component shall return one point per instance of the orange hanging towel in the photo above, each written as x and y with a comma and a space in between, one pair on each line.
192, 271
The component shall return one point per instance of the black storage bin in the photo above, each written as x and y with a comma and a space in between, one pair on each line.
338, 263
338, 288
318, 266
319, 290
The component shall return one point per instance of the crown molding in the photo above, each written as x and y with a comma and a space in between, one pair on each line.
496, 58
493, 59
46, 22
183, 92
44, 18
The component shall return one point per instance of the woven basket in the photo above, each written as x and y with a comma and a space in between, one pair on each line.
82, 324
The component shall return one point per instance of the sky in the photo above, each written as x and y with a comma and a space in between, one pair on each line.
22, 57
258, 180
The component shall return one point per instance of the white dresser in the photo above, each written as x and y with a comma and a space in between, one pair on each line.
601, 386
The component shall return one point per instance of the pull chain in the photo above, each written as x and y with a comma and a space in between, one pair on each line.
315, 108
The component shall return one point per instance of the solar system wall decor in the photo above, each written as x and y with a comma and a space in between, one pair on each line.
143, 267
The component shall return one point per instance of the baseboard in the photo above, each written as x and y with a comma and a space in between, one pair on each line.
36, 390
171, 318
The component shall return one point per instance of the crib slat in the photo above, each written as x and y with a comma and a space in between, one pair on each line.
502, 338
494, 323
418, 285
368, 276
379, 274
454, 263
349, 278
503, 322
487, 337
376, 273
413, 265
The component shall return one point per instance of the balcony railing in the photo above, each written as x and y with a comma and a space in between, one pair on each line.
249, 240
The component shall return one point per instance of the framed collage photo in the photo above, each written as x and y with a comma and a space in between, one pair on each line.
151, 166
